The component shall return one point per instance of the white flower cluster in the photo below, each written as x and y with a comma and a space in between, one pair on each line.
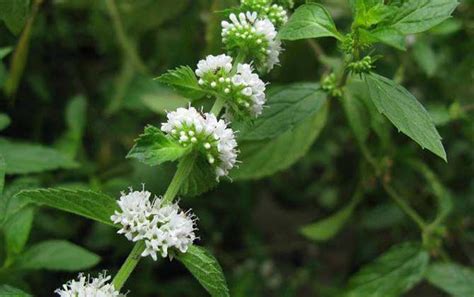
244, 90
161, 226
86, 286
207, 134
257, 37
265, 9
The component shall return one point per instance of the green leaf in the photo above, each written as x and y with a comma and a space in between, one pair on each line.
206, 270
390, 275
426, 58
327, 228
4, 121
184, 81
93, 205
265, 157
201, 179
310, 20
160, 99
22, 157
14, 14
17, 230
76, 117
405, 112
4, 51
452, 278
9, 205
8, 291
388, 36
416, 16
3, 168
57, 255
286, 107
153, 147
356, 113
370, 13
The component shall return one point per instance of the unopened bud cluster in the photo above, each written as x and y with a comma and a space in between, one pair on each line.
256, 37
244, 90
361, 66
206, 134
329, 85
265, 9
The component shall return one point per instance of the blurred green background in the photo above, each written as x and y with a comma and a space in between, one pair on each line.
87, 90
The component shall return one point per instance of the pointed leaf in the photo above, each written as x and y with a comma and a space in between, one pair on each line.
391, 274
206, 270
310, 20
17, 230
405, 112
184, 81
201, 179
452, 278
416, 16
57, 255
265, 157
153, 147
93, 205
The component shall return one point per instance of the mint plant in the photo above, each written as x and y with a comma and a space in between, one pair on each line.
230, 124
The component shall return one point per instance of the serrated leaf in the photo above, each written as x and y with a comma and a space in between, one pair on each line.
206, 270
14, 14
153, 147
327, 228
9, 291
286, 107
184, 81
17, 230
416, 16
405, 112
57, 255
201, 179
93, 205
452, 278
390, 275
388, 36
22, 157
265, 157
310, 20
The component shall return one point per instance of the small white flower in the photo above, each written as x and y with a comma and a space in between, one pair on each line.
86, 286
208, 130
213, 64
260, 40
252, 94
162, 227
265, 9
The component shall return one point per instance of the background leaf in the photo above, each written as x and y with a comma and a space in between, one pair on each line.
310, 20
22, 157
452, 278
286, 107
8, 291
266, 157
4, 121
405, 112
93, 205
14, 14
17, 231
76, 118
391, 274
206, 270
57, 255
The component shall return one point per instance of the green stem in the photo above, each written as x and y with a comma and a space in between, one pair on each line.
184, 168
128, 266
405, 206
218, 105
238, 60
127, 46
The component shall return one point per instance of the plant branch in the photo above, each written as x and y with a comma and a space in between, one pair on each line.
128, 266
184, 169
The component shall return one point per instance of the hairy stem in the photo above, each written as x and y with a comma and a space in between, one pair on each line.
128, 266
184, 168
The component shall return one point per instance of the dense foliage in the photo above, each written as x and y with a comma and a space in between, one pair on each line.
355, 179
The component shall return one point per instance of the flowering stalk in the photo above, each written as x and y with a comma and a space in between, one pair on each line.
184, 168
129, 265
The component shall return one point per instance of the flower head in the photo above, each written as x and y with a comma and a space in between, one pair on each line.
86, 286
207, 134
161, 226
256, 37
265, 9
243, 89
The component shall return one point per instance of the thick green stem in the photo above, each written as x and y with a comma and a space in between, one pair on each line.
128, 266
218, 105
184, 168
405, 207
